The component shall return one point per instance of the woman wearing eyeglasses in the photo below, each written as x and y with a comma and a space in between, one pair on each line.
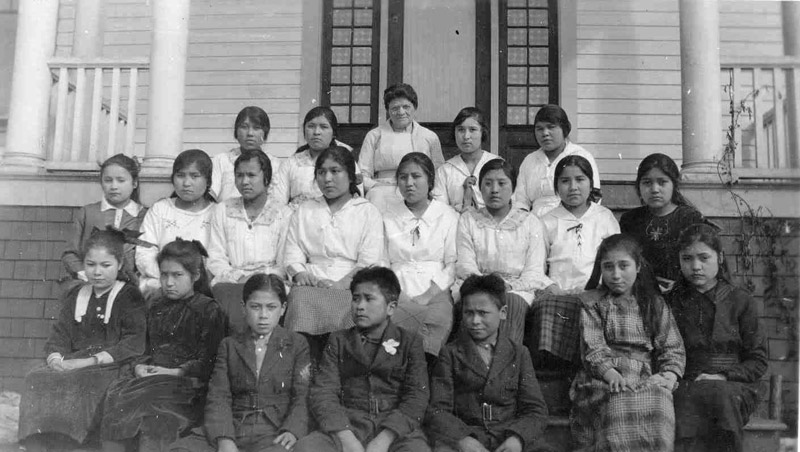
385, 145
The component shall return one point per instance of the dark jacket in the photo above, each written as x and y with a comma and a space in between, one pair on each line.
723, 321
279, 392
461, 384
352, 391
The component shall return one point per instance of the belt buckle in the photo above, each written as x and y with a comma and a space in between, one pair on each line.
486, 410
373, 406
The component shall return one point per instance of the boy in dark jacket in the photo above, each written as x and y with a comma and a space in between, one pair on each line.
372, 387
484, 393
257, 394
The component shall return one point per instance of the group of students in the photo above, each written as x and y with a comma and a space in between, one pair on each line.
395, 299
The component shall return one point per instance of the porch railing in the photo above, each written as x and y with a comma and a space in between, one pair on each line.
92, 110
768, 135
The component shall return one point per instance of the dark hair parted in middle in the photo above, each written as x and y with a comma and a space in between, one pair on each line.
476, 114
709, 235
400, 91
110, 239
343, 157
264, 283
424, 162
200, 160
128, 164
263, 162
556, 115
585, 167
667, 166
315, 113
491, 284
499, 164
382, 277
257, 116
189, 254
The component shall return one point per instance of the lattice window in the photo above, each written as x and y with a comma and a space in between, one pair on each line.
350, 59
530, 62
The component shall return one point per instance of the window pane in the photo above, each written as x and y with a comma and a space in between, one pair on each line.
362, 36
361, 95
537, 18
342, 18
340, 75
517, 37
516, 115
342, 3
538, 56
362, 17
361, 114
362, 55
341, 36
532, 114
538, 36
516, 76
538, 95
517, 96
362, 75
340, 94
539, 75
517, 17
517, 56
340, 55
342, 113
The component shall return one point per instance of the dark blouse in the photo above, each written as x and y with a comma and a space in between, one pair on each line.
185, 334
658, 236
123, 337
723, 321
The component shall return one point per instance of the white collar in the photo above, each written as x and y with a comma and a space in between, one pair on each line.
132, 207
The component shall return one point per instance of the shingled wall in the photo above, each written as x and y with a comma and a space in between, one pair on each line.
32, 239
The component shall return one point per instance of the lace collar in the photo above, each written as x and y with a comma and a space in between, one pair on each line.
234, 209
512, 221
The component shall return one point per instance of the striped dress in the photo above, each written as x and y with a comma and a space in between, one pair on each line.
613, 337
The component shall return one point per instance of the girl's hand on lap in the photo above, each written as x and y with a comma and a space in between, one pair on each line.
717, 377
286, 439
511, 444
615, 381
662, 380
140, 370
325, 284
470, 444
305, 279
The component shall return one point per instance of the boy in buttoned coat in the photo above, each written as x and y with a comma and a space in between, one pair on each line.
484, 393
258, 391
371, 390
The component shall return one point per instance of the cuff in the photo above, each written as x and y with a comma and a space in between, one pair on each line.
104, 358
603, 367
293, 269
54, 356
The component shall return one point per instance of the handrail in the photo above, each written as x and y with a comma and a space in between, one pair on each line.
760, 61
104, 104
72, 62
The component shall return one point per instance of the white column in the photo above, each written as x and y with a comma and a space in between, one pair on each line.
26, 142
168, 53
701, 112
790, 12
87, 44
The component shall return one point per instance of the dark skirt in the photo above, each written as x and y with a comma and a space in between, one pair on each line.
69, 403
554, 326
703, 408
159, 407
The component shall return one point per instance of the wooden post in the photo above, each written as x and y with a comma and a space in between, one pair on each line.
775, 397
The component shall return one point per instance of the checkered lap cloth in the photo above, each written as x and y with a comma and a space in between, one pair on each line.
556, 326
313, 310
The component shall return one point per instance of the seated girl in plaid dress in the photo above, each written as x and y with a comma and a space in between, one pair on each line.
632, 356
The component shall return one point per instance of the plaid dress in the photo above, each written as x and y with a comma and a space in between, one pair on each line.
613, 337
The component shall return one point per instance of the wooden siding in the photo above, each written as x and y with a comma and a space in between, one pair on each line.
240, 53
628, 61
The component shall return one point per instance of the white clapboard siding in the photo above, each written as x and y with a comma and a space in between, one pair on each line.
628, 73
241, 53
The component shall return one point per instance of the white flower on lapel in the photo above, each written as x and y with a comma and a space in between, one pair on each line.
390, 346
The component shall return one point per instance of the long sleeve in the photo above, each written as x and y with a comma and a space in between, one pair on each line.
296, 420
219, 401
668, 352
372, 245
447, 276
71, 256
467, 263
216, 175
753, 352
440, 192
294, 258
366, 157
437, 157
60, 340
597, 355
215, 324
218, 260
530, 420
442, 423
281, 183
146, 256
132, 324
521, 199
414, 394
533, 275
324, 394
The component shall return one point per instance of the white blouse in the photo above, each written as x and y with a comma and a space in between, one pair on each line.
162, 224
223, 180
450, 177
421, 250
239, 247
535, 190
330, 245
572, 243
513, 248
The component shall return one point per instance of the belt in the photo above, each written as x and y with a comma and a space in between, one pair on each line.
375, 405
486, 412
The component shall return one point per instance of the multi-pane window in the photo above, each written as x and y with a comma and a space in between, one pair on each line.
351, 56
528, 77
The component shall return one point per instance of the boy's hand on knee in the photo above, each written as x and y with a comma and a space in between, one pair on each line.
349, 441
511, 444
226, 445
286, 439
470, 444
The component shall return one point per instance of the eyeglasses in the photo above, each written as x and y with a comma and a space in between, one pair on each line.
399, 108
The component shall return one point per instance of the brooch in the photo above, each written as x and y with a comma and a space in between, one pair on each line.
390, 346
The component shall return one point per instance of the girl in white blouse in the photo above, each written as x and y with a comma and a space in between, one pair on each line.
386, 144
535, 182
504, 240
329, 240
421, 250
247, 234
185, 214
294, 181
457, 179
